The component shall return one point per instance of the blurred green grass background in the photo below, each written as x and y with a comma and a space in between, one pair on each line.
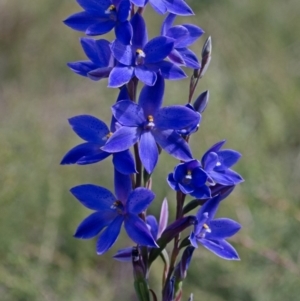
254, 83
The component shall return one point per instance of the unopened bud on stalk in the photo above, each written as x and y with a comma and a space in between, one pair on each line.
206, 57
201, 102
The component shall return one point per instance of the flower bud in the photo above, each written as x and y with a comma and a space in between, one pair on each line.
201, 102
206, 57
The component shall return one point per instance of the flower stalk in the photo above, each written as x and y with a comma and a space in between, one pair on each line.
141, 128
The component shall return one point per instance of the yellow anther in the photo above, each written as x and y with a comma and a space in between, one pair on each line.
205, 226
109, 135
111, 7
140, 53
189, 172
150, 118
116, 204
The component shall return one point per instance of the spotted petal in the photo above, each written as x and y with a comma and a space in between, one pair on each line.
138, 231
94, 223
89, 128
148, 151
94, 197
139, 200
222, 228
109, 235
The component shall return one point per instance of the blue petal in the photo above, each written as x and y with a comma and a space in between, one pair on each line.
227, 158
152, 222
148, 151
171, 71
82, 67
157, 49
124, 162
176, 118
194, 32
97, 51
139, 200
81, 21
158, 6
79, 151
123, 186
124, 255
220, 248
94, 223
122, 53
94, 197
140, 36
122, 139
151, 96
186, 188
92, 6
123, 10
178, 7
100, 28
89, 128
226, 177
128, 113
189, 58
123, 32
123, 94
173, 184
176, 58
99, 73
109, 235
208, 210
167, 24
193, 240
209, 161
215, 148
119, 76
173, 144
145, 75
222, 228
180, 172
90, 159
223, 190
138, 231
179, 34
202, 192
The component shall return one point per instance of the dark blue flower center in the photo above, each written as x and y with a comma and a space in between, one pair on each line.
140, 57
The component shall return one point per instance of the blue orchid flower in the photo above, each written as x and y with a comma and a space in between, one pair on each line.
150, 124
184, 35
217, 163
191, 179
95, 132
112, 211
100, 62
142, 58
100, 17
211, 233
